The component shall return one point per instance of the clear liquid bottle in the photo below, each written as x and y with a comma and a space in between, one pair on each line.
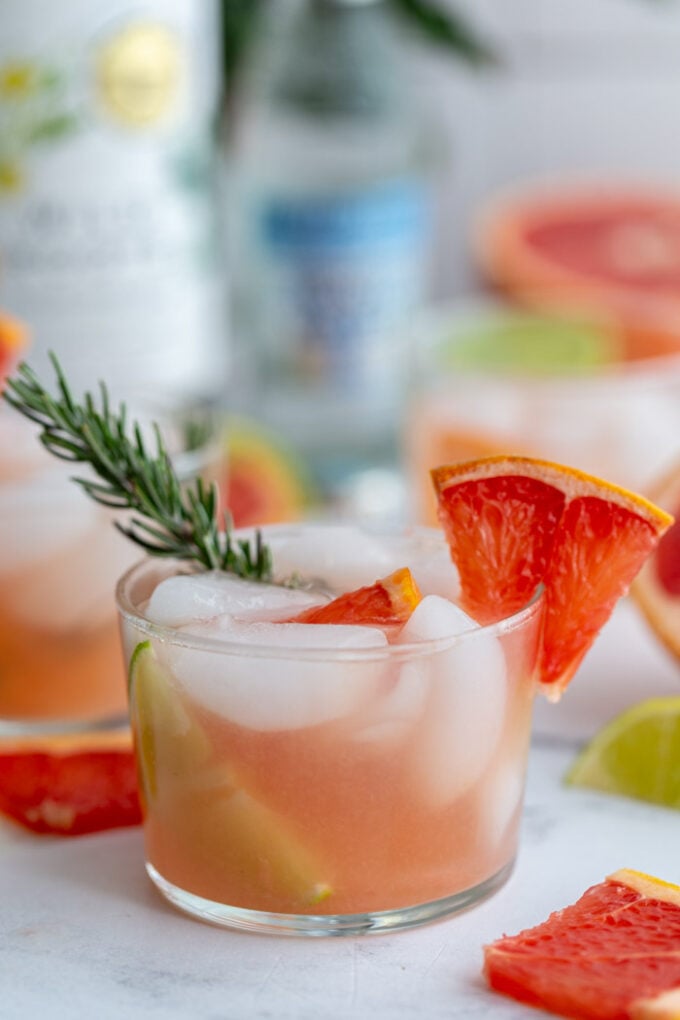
107, 197
328, 192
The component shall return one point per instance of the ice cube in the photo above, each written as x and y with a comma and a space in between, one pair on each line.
393, 716
466, 697
183, 598
502, 798
342, 556
278, 690
429, 559
40, 517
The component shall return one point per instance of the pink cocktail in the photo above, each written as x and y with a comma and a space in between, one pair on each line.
325, 779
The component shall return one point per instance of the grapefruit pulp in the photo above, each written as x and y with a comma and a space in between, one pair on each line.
387, 604
607, 249
515, 522
612, 954
70, 786
657, 589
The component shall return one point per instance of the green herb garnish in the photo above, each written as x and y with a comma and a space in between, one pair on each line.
168, 519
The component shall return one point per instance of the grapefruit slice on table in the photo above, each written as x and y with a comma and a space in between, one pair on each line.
612, 954
514, 522
388, 603
657, 588
70, 785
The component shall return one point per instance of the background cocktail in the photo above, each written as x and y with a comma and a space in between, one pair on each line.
309, 773
493, 380
60, 662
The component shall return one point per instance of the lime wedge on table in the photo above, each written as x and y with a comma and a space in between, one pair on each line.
529, 344
636, 755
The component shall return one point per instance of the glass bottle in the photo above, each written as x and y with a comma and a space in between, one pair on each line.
328, 191
107, 199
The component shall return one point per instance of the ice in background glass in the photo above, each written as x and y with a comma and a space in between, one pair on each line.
60, 557
618, 419
320, 779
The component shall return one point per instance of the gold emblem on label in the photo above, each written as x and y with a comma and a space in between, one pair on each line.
139, 73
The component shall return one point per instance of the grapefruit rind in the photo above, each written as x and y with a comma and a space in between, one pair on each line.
387, 603
265, 482
660, 608
611, 954
661, 1007
537, 521
646, 310
647, 885
572, 482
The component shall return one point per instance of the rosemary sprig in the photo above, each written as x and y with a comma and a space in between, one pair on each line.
168, 519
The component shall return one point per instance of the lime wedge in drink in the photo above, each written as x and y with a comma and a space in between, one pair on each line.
636, 755
166, 735
249, 839
529, 344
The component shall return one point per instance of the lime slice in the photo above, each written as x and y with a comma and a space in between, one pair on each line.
636, 755
530, 344
166, 736
249, 839
222, 824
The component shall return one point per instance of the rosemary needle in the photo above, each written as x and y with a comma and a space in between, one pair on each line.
168, 519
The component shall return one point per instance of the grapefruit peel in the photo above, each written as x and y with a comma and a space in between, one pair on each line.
387, 603
70, 785
656, 590
612, 954
513, 523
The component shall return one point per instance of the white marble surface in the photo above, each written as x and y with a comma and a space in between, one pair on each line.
83, 934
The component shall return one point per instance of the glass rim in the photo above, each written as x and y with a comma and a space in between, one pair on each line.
307, 653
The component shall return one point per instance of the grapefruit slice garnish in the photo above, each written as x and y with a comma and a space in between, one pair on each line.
515, 522
387, 603
70, 785
657, 588
613, 953
13, 340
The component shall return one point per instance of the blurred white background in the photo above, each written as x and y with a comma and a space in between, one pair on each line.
584, 87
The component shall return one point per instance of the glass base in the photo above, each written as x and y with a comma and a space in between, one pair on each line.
15, 728
320, 925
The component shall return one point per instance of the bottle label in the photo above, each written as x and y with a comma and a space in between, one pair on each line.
105, 198
346, 270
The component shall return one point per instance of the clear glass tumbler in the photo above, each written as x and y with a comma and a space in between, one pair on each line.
618, 420
297, 781
60, 557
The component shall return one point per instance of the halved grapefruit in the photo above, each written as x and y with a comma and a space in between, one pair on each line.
515, 522
264, 483
612, 954
603, 248
387, 604
657, 588
70, 785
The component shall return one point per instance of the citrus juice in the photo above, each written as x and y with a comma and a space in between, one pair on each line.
326, 777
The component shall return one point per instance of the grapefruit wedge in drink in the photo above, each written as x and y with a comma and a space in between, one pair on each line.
513, 523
